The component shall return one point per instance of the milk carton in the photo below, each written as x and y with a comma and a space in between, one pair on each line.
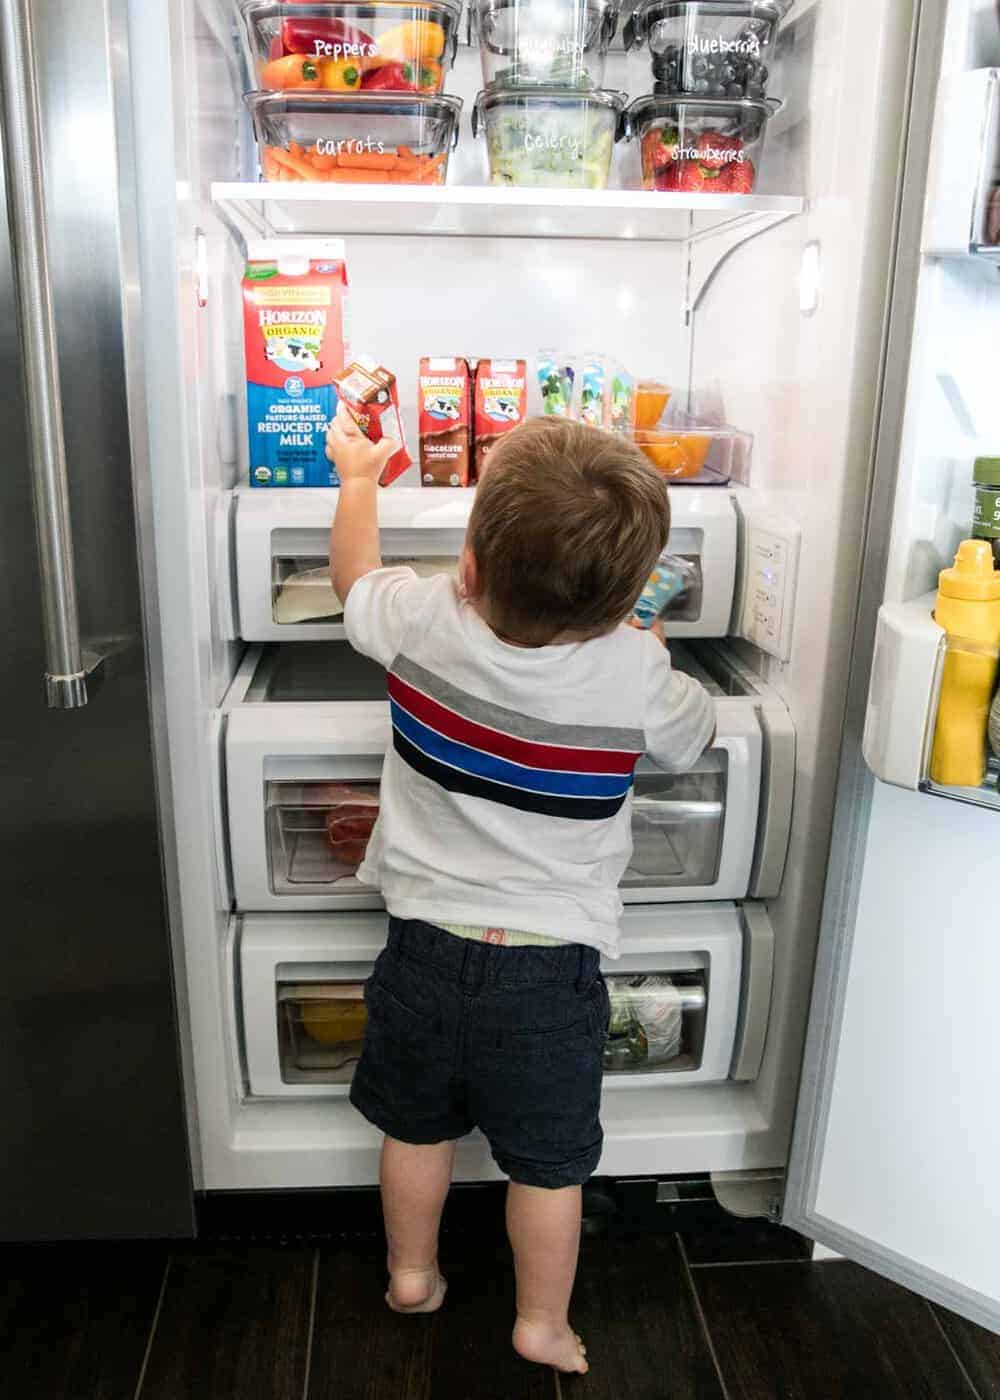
294, 322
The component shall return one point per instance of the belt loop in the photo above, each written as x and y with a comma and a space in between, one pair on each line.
581, 963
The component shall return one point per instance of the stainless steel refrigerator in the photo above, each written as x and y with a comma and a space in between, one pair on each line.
94, 1131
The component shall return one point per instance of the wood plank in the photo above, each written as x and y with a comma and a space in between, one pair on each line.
234, 1323
822, 1332
743, 1242
362, 1351
633, 1307
74, 1319
978, 1350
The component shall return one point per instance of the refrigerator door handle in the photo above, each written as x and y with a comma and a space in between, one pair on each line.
70, 672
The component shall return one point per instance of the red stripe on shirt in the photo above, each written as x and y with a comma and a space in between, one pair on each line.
494, 741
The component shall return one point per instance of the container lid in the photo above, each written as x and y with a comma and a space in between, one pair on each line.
255, 11
393, 104
650, 12
655, 105
973, 576
496, 94
986, 471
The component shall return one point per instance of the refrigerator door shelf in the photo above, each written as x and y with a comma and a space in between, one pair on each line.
283, 541
301, 991
306, 735
963, 203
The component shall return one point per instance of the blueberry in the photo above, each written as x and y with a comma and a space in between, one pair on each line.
717, 90
734, 90
727, 73
755, 90
763, 74
699, 67
700, 85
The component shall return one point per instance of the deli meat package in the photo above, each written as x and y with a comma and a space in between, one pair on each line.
445, 422
294, 296
501, 403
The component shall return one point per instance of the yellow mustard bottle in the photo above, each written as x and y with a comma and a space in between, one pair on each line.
968, 608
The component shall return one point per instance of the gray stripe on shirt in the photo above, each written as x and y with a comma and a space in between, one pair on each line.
539, 731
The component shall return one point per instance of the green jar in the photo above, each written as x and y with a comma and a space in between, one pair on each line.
986, 511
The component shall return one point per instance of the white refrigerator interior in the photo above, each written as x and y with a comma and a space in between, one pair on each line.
769, 311
896, 1136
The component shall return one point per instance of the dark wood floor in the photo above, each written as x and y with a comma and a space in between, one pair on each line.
731, 1314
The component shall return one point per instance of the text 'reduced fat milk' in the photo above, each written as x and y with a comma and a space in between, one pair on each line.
295, 332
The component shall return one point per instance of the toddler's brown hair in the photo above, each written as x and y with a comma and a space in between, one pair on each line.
566, 528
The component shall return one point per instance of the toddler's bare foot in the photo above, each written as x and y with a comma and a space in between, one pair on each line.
550, 1345
415, 1290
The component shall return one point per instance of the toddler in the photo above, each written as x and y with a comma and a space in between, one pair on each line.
520, 706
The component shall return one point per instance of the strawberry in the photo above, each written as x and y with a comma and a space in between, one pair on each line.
740, 177
716, 151
659, 147
668, 178
691, 177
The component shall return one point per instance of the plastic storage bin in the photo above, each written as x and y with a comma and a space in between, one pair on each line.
706, 48
684, 449
549, 42
700, 146
321, 1029
378, 138
549, 136
383, 47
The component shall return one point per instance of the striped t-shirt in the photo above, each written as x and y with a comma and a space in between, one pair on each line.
505, 796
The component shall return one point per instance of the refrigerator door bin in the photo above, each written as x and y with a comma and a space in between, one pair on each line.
283, 541
306, 735
677, 982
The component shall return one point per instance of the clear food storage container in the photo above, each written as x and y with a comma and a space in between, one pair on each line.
549, 136
700, 146
376, 139
392, 46
708, 48
554, 42
684, 449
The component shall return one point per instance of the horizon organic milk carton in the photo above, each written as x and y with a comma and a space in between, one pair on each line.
294, 323
445, 422
501, 403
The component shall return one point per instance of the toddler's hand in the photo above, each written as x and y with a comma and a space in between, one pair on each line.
354, 456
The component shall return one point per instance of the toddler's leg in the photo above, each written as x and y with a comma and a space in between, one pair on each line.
544, 1229
415, 1181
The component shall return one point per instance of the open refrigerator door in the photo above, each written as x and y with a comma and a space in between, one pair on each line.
891, 1061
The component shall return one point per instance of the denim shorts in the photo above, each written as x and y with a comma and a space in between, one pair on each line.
465, 1035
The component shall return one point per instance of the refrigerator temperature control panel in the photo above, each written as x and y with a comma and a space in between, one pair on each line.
770, 570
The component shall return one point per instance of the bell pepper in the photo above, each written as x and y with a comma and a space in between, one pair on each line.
418, 38
414, 76
298, 70
325, 38
340, 74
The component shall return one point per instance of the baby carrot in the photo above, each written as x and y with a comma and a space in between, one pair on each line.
369, 160
357, 176
301, 167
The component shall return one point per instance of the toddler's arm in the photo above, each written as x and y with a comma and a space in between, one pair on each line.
354, 543
680, 714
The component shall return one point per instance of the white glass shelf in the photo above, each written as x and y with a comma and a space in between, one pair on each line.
262, 210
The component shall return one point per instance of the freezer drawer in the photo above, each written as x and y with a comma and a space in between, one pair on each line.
676, 995
307, 732
283, 540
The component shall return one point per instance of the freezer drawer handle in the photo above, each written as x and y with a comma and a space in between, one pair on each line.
69, 670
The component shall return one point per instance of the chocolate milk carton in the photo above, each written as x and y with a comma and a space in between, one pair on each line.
445, 422
501, 403
294, 300
371, 396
